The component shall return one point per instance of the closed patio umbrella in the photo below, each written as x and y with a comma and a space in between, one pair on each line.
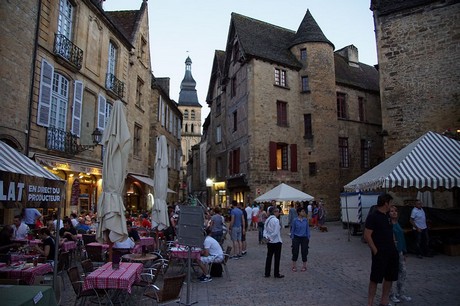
160, 218
110, 208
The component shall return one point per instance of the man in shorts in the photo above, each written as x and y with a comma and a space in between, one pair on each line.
236, 228
212, 253
378, 234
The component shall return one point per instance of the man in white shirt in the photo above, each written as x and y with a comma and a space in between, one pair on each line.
127, 244
420, 229
248, 210
212, 253
20, 229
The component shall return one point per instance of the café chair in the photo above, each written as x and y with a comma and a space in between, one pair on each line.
149, 276
77, 285
95, 254
87, 266
87, 238
170, 291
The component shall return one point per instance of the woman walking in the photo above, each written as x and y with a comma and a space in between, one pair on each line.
272, 233
300, 235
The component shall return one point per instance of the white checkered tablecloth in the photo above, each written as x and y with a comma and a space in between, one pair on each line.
107, 278
28, 273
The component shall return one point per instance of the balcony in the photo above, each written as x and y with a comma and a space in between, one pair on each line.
115, 85
66, 142
64, 48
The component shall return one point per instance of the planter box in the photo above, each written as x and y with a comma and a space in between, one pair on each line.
452, 249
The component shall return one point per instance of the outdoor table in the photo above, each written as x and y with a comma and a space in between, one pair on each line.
147, 241
139, 257
68, 246
182, 252
104, 246
22, 257
26, 272
35, 242
105, 277
27, 295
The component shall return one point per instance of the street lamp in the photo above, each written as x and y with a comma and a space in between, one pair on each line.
97, 138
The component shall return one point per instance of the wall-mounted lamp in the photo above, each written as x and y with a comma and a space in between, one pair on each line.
97, 138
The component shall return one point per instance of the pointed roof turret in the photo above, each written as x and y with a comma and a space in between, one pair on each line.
188, 95
309, 31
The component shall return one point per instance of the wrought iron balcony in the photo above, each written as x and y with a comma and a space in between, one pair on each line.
60, 140
67, 50
115, 85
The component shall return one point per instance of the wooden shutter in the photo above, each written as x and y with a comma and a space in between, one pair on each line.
293, 157
77, 107
101, 112
44, 98
230, 163
272, 155
236, 164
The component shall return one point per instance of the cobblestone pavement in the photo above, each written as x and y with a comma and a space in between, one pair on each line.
337, 274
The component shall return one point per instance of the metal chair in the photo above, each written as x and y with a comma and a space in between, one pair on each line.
95, 254
77, 285
170, 291
87, 266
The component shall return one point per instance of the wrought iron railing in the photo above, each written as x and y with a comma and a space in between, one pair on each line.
60, 140
115, 85
67, 50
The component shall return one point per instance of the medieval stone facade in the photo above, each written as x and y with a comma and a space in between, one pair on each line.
418, 53
287, 108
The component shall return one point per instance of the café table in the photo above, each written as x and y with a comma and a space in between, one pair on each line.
27, 295
140, 257
104, 246
106, 277
22, 257
179, 254
68, 246
27, 272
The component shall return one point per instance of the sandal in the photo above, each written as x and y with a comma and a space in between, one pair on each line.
294, 269
303, 269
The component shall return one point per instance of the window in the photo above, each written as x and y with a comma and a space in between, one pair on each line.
186, 128
139, 86
281, 155
308, 131
218, 106
233, 87
361, 109
341, 106
137, 140
234, 162
112, 60
219, 167
236, 51
235, 121
218, 134
305, 84
281, 112
344, 161
59, 99
108, 111
192, 115
312, 169
192, 126
143, 49
365, 154
65, 18
186, 114
303, 54
280, 77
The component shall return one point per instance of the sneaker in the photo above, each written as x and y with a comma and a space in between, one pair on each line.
235, 257
405, 298
206, 279
394, 298
244, 253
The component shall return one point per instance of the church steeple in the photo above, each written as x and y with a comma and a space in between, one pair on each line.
188, 95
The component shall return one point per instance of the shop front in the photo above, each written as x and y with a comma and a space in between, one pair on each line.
238, 190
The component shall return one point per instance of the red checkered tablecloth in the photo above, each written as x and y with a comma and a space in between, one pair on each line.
68, 245
181, 252
104, 246
147, 241
27, 273
107, 278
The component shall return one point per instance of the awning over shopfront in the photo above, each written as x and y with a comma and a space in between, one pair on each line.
147, 180
432, 161
68, 164
24, 183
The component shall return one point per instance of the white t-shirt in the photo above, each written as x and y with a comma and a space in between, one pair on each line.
127, 244
213, 246
20, 232
255, 211
248, 212
418, 215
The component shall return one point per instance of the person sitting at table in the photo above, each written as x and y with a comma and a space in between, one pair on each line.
81, 226
20, 229
68, 231
6, 235
132, 232
48, 244
212, 253
126, 244
145, 223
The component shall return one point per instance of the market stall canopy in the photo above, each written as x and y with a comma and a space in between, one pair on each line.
24, 183
431, 161
284, 192
147, 180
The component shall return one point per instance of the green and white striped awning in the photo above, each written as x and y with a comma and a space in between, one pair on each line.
432, 161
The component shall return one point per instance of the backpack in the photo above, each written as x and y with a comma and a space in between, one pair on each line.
216, 270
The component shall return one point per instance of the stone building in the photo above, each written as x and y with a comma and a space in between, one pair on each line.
191, 125
79, 61
418, 54
286, 108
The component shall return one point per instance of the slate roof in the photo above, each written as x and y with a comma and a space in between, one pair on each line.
309, 31
389, 6
127, 21
188, 95
364, 76
217, 73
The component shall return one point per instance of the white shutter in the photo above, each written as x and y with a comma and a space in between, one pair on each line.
77, 107
101, 112
44, 98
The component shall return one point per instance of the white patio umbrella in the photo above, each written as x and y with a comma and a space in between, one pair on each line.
160, 218
110, 208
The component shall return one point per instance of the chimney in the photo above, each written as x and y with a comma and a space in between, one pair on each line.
351, 54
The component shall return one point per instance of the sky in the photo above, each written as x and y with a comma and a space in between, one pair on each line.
196, 28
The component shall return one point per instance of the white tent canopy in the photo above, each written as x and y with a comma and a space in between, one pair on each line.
431, 161
284, 192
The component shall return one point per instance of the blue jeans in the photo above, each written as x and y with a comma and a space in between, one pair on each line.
421, 241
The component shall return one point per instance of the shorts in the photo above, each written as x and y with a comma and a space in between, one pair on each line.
211, 258
255, 219
385, 265
236, 233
